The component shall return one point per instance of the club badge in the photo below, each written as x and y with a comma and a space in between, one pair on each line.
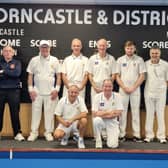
124, 64
12, 66
113, 103
96, 62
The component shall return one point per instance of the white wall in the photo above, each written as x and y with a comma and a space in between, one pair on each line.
101, 2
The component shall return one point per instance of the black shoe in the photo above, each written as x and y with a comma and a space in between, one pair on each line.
136, 139
122, 139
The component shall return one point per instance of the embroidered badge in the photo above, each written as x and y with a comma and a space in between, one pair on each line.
12, 66
124, 64
101, 103
78, 108
96, 62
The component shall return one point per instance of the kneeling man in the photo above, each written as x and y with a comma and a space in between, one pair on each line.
107, 107
71, 113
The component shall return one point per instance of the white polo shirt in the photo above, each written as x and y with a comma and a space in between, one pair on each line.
44, 71
101, 69
68, 110
156, 79
130, 69
75, 68
114, 103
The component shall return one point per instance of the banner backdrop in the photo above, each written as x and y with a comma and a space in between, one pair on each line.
24, 25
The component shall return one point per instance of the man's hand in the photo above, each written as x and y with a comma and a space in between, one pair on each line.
54, 95
33, 95
98, 90
129, 90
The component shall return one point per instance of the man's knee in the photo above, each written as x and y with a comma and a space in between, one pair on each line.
97, 121
59, 133
83, 121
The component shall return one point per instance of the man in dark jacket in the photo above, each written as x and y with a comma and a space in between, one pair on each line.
10, 70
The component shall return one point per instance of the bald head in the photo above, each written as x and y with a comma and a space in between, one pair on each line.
73, 93
102, 46
76, 46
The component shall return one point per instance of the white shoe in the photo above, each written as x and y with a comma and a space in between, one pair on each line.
99, 143
64, 142
19, 137
81, 144
147, 140
162, 141
32, 137
48, 137
104, 134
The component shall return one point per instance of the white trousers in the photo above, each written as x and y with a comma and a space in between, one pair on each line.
111, 128
155, 105
49, 107
135, 110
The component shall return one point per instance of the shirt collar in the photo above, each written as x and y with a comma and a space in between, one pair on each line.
105, 58
76, 57
130, 58
104, 98
159, 63
46, 58
68, 102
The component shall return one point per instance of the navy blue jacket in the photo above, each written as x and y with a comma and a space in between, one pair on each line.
10, 74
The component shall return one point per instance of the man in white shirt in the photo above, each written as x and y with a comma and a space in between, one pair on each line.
155, 94
101, 66
107, 107
71, 113
130, 75
74, 68
43, 85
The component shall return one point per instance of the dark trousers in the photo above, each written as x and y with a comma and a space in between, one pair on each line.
12, 97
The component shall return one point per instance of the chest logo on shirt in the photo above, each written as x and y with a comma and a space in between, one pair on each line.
12, 66
101, 104
52, 66
78, 108
96, 62
113, 104
134, 64
124, 64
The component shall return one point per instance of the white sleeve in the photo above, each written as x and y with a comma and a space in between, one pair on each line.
30, 66
118, 67
119, 103
166, 71
95, 103
59, 108
113, 66
63, 69
57, 67
142, 67
90, 65
86, 65
83, 107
